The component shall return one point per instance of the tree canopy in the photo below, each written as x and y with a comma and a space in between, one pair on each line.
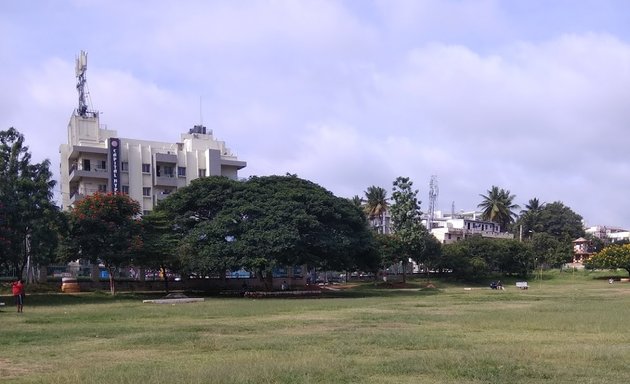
104, 228
498, 206
560, 221
376, 206
475, 257
612, 257
28, 216
529, 219
267, 222
407, 226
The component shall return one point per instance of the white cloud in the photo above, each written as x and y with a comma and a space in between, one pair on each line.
348, 94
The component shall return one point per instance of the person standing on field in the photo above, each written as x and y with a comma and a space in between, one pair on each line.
18, 292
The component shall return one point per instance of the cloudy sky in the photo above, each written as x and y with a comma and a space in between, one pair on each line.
530, 95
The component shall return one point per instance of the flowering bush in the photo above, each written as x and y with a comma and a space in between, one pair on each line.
613, 256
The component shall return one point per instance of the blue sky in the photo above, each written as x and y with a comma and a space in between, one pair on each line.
531, 96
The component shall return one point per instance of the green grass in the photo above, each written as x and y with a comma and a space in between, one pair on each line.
567, 328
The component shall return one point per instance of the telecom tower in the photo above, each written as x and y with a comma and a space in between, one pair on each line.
81, 68
433, 194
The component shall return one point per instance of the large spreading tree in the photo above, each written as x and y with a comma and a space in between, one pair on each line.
559, 221
28, 216
267, 222
104, 228
160, 240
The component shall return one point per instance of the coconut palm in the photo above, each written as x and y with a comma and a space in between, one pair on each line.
376, 207
498, 206
530, 217
357, 201
534, 205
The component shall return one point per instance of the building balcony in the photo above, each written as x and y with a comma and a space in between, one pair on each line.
80, 194
490, 234
77, 150
165, 181
161, 196
77, 173
233, 163
167, 158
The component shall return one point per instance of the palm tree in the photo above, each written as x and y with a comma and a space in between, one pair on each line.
357, 201
498, 206
529, 219
534, 205
376, 206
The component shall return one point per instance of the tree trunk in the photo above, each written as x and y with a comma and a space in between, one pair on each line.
112, 287
165, 279
269, 281
404, 271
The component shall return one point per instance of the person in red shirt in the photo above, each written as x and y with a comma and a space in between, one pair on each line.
18, 292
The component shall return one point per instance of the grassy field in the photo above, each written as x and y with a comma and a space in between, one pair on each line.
567, 328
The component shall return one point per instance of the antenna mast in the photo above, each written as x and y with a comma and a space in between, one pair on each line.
433, 194
81, 68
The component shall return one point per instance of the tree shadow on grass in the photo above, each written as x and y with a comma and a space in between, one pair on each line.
57, 299
363, 292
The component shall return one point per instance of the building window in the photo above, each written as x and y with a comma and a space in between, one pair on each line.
202, 172
145, 212
124, 166
102, 188
146, 168
125, 189
102, 165
168, 171
86, 164
146, 191
181, 171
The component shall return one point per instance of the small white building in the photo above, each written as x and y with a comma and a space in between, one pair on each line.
612, 234
451, 228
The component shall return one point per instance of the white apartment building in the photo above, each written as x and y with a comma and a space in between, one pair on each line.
612, 234
452, 228
95, 159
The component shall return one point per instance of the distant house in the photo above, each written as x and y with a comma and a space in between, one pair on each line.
582, 250
455, 227
609, 233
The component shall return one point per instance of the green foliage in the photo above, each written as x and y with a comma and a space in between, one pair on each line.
408, 231
27, 212
267, 222
612, 257
104, 228
561, 222
498, 206
376, 206
357, 201
409, 238
475, 257
529, 220
159, 244
551, 229
549, 251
